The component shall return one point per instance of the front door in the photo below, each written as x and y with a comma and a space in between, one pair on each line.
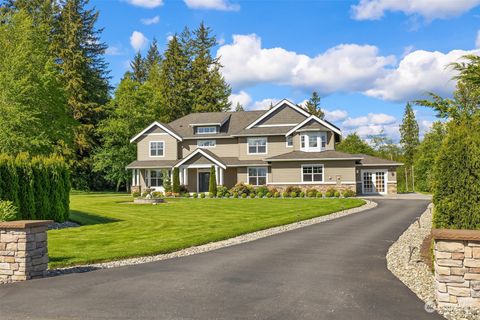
374, 181
203, 181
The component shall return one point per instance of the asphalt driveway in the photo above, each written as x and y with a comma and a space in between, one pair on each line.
333, 270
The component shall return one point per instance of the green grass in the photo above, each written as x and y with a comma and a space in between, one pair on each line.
113, 229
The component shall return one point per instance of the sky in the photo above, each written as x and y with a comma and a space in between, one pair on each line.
366, 58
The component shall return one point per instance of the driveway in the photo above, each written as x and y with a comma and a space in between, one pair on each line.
332, 270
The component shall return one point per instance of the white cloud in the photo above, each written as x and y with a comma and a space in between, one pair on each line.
263, 104
335, 115
113, 51
429, 9
149, 21
242, 97
346, 67
417, 73
146, 3
223, 5
370, 119
477, 40
138, 41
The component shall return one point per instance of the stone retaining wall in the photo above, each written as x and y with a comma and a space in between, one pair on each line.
457, 267
23, 250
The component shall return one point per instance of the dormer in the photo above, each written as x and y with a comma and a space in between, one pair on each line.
316, 134
210, 128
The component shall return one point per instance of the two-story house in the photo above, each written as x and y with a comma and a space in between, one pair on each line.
279, 147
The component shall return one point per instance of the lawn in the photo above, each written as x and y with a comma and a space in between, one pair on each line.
113, 229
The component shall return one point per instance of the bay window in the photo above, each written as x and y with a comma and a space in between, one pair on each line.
313, 141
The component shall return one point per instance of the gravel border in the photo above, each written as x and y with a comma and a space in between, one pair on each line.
63, 225
213, 245
415, 274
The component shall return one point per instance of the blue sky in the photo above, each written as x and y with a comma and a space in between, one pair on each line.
367, 58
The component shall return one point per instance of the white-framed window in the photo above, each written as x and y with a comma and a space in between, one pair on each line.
206, 130
313, 141
289, 141
157, 148
257, 145
206, 143
312, 173
155, 178
257, 176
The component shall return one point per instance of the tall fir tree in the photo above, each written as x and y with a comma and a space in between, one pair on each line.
80, 54
153, 57
139, 68
210, 90
313, 105
409, 133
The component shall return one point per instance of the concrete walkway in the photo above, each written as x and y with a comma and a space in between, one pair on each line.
333, 270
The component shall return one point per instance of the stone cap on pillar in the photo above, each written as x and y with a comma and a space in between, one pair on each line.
24, 224
456, 234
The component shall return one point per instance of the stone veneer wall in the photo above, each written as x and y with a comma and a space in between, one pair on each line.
23, 250
457, 267
322, 188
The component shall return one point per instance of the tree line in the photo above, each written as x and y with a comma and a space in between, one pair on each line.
56, 98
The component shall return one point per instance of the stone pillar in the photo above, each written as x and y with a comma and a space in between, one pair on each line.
457, 267
23, 250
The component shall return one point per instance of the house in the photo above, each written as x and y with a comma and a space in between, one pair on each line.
279, 147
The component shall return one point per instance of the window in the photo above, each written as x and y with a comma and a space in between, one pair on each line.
257, 145
156, 178
206, 130
156, 148
313, 142
257, 176
289, 141
206, 143
312, 173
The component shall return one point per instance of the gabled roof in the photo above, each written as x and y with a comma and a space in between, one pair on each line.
275, 108
375, 161
162, 126
207, 154
322, 155
316, 119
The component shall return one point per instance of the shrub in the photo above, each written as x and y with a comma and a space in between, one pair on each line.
157, 194
212, 185
168, 194
261, 190
8, 180
211, 194
260, 195
242, 188
136, 194
311, 194
186, 195
26, 208
268, 195
252, 195
319, 195
456, 185
349, 193
183, 189
41, 185
272, 190
244, 195
195, 195
222, 191
227, 194
8, 211
175, 194
311, 191
285, 194
337, 194
276, 194
235, 194
330, 193
202, 195
302, 194
293, 194
295, 189
176, 180
167, 181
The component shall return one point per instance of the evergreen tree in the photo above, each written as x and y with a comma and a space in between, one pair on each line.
174, 82
167, 181
384, 147
8, 180
409, 132
210, 91
139, 68
239, 107
354, 144
153, 57
41, 188
176, 180
313, 105
79, 51
26, 197
212, 184
425, 158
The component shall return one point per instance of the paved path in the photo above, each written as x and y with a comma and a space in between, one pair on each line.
333, 270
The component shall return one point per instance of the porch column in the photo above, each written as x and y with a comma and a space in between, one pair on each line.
185, 177
221, 175
134, 177
217, 175
181, 174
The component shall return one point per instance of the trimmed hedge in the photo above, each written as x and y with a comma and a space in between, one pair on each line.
38, 187
456, 185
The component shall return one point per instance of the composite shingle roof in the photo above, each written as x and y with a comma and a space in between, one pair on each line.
371, 160
323, 155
